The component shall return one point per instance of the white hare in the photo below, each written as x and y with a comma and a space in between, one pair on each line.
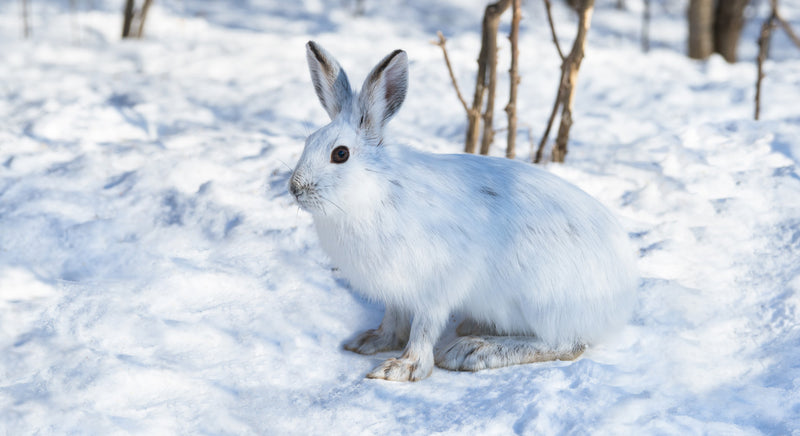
536, 267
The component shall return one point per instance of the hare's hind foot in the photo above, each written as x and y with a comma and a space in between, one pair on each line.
473, 353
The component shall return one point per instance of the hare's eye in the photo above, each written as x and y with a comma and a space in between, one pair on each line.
340, 154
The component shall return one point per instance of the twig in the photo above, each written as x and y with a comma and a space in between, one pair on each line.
769, 25
556, 104
441, 43
143, 17
553, 29
785, 24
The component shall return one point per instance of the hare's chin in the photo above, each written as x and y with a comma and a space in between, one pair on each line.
308, 204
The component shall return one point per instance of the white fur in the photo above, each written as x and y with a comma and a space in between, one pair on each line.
498, 241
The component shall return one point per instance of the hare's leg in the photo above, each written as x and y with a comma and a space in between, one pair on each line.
473, 353
416, 362
391, 335
470, 327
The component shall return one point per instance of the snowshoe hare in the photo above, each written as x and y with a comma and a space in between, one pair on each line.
537, 268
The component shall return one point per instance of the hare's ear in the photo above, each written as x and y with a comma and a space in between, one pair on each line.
383, 92
330, 81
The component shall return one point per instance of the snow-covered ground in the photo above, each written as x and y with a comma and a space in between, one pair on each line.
157, 278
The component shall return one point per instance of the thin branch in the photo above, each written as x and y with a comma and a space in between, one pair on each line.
441, 43
785, 24
530, 138
787, 28
769, 25
143, 17
553, 30
557, 104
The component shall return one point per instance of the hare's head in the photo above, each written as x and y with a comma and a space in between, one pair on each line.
341, 159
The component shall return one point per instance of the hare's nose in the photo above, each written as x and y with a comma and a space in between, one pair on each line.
294, 186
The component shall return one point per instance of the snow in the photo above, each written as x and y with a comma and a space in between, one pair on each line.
157, 278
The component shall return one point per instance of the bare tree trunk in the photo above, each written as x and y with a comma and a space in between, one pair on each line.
570, 72
486, 80
474, 113
134, 19
473, 130
127, 18
701, 23
728, 23
574, 4
26, 30
511, 107
488, 62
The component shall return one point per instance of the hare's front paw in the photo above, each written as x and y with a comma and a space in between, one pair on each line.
402, 369
373, 341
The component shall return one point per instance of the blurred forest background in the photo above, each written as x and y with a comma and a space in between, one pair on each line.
713, 26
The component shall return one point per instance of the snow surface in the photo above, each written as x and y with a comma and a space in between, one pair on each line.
156, 277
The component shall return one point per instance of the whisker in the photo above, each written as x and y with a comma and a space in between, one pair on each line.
337, 206
286, 165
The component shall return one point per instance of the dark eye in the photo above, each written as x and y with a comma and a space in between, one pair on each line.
340, 154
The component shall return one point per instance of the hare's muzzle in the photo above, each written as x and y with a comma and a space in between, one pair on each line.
301, 190
294, 186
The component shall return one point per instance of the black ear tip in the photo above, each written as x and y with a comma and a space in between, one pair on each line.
398, 52
314, 48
